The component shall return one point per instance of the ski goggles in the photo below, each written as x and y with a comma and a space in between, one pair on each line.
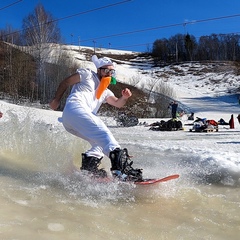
107, 71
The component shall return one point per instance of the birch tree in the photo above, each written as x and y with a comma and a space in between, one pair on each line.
40, 31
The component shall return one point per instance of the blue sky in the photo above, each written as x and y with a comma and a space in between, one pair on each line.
128, 24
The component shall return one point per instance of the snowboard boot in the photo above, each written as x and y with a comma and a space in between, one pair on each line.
91, 164
122, 166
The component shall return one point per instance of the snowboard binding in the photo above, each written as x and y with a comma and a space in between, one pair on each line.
91, 165
122, 166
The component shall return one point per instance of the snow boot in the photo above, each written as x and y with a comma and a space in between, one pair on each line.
122, 166
91, 164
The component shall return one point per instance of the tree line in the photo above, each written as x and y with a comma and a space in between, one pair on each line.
185, 47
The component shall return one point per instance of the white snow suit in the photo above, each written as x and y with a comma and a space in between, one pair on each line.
79, 115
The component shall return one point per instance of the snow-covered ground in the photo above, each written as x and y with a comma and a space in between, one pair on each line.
43, 197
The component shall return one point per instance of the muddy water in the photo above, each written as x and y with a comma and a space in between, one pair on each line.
43, 196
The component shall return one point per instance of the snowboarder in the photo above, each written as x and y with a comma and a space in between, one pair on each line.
79, 118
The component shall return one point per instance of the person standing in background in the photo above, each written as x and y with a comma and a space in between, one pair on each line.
174, 106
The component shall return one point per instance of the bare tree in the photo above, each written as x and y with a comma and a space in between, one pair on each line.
151, 84
40, 29
134, 80
62, 66
17, 72
164, 93
10, 35
160, 50
190, 45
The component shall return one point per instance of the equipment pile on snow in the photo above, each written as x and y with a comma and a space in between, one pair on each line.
123, 120
170, 125
204, 125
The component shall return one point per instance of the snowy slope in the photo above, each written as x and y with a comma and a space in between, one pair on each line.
202, 88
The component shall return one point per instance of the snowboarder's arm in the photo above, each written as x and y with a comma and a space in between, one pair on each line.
69, 81
120, 102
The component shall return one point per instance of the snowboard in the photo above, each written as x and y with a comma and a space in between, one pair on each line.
156, 180
147, 181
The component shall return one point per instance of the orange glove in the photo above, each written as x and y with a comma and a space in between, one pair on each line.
104, 83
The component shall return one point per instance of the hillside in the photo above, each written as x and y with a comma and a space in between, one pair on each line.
187, 81
212, 76
193, 81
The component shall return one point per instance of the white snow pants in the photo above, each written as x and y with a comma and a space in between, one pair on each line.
82, 123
